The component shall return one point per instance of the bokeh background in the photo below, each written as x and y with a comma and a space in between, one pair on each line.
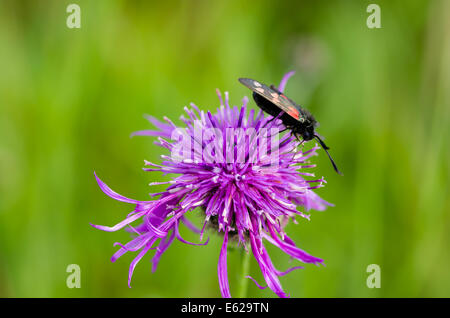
69, 99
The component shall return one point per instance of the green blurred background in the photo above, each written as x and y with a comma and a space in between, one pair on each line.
69, 99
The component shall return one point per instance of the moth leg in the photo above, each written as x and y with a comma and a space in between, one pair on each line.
286, 128
299, 138
302, 143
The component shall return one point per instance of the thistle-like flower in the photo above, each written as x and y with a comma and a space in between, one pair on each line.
246, 192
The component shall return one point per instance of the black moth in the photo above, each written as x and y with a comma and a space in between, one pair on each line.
297, 119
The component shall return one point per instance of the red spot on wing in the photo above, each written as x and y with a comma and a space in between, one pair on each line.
294, 112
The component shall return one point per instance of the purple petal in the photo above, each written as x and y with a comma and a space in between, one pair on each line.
159, 233
292, 250
222, 269
256, 283
158, 124
120, 225
163, 246
190, 225
288, 270
151, 133
134, 263
131, 246
266, 267
107, 190
177, 233
284, 80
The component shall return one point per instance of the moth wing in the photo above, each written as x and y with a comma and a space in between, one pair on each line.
274, 96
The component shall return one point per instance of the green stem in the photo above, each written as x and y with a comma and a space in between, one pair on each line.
244, 272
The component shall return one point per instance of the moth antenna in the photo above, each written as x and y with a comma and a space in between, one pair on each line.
326, 150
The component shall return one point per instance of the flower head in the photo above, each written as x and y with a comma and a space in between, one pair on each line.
246, 178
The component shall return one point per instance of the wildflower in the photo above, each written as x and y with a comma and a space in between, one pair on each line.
249, 199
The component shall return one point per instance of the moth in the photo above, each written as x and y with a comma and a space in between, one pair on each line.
297, 119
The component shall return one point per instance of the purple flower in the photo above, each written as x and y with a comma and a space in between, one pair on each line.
247, 195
